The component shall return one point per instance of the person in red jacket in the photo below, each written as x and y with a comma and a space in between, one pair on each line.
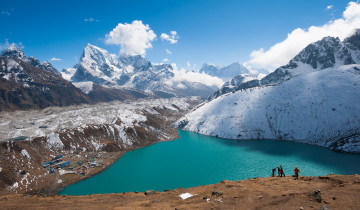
273, 172
296, 170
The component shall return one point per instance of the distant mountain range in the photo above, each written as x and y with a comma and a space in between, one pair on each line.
226, 72
27, 83
100, 67
313, 99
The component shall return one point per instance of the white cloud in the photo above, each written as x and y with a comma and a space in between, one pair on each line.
184, 75
172, 38
134, 38
280, 53
165, 60
329, 7
168, 51
6, 45
55, 59
91, 20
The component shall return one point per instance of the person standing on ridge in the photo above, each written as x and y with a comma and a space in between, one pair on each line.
273, 172
278, 168
282, 171
296, 170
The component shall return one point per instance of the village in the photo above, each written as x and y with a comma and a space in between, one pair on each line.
70, 168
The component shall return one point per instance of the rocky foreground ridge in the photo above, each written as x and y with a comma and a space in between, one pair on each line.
324, 192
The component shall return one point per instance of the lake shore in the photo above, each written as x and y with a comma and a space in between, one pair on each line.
333, 191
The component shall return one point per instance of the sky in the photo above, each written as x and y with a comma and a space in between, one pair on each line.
260, 34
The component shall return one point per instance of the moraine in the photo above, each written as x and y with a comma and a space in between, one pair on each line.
195, 159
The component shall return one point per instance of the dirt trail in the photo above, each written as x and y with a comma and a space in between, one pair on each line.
336, 192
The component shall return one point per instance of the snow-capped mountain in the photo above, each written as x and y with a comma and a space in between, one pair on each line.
99, 66
328, 52
14, 52
26, 84
226, 72
314, 99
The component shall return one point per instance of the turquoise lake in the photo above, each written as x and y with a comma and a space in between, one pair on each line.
194, 160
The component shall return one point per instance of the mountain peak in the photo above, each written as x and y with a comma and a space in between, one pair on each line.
94, 54
13, 51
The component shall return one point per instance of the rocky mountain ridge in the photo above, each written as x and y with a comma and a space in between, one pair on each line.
326, 53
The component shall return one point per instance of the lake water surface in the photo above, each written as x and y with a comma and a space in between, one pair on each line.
194, 160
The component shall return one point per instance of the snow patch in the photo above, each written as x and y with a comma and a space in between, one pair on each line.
54, 142
85, 87
186, 196
25, 154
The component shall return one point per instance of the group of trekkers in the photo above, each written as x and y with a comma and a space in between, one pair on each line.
281, 173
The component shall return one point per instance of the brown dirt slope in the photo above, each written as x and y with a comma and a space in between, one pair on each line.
335, 192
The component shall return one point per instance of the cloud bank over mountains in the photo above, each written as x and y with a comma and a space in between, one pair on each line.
280, 53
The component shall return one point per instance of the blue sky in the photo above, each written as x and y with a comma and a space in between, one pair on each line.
219, 32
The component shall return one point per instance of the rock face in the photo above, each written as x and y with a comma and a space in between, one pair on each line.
314, 99
98, 66
323, 54
27, 84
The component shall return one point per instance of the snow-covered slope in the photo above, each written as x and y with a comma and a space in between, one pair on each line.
318, 108
226, 72
328, 52
314, 99
99, 66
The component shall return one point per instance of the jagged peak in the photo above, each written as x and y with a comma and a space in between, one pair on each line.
13, 51
91, 49
94, 54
